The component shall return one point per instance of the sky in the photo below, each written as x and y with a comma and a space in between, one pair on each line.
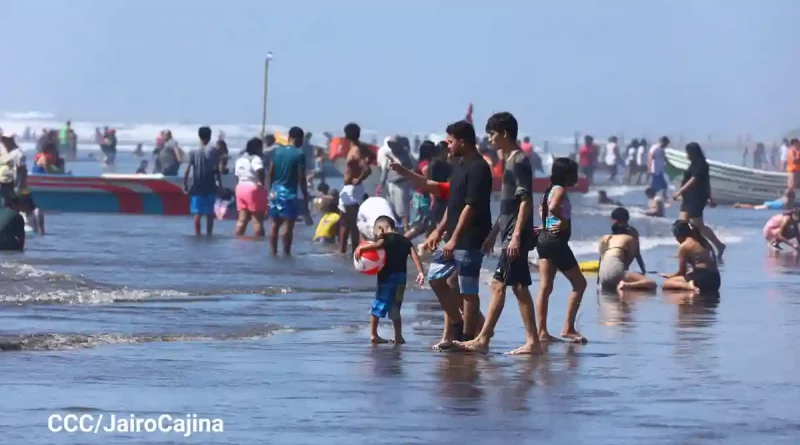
696, 67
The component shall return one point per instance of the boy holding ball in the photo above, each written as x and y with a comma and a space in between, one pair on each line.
391, 278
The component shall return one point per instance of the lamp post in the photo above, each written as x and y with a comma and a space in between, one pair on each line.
266, 85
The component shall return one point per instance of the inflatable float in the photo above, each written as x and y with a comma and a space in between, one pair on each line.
589, 266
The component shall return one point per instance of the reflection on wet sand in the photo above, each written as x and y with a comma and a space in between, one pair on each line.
617, 310
694, 311
461, 379
386, 360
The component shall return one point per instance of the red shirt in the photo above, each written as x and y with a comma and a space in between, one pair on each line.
585, 156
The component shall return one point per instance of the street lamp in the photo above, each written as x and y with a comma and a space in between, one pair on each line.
266, 84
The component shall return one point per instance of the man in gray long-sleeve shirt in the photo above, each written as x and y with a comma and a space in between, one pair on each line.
396, 187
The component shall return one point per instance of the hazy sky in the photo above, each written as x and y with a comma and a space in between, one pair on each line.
639, 66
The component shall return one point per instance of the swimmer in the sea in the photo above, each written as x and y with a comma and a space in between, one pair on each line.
785, 202
655, 203
782, 228
356, 170
602, 198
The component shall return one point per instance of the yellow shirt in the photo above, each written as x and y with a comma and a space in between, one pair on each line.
326, 229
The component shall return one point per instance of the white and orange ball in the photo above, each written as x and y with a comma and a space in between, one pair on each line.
370, 262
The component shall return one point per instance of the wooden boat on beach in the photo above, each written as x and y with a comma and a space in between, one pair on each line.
731, 183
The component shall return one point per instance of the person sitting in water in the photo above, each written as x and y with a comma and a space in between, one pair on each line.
602, 198
655, 203
697, 262
12, 227
782, 228
785, 202
621, 216
328, 227
392, 277
617, 251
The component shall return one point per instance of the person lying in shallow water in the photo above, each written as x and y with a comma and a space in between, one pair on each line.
602, 198
784, 202
697, 263
617, 252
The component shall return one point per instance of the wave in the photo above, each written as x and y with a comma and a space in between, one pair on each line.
615, 190
132, 133
26, 284
28, 115
60, 342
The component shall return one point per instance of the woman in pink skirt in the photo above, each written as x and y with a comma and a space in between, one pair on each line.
251, 192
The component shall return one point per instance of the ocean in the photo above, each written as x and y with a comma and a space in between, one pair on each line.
134, 316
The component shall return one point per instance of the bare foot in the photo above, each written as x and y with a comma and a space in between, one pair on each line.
622, 285
398, 341
545, 337
375, 339
574, 337
695, 289
444, 345
527, 349
477, 345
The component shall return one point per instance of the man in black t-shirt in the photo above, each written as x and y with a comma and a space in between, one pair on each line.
465, 225
515, 225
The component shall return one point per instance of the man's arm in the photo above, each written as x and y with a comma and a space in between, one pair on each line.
217, 169
186, 173
271, 173
524, 174
416, 180
302, 179
365, 171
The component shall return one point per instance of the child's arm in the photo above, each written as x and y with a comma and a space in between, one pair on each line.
369, 247
418, 265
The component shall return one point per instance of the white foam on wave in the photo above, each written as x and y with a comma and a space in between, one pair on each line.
605, 211
28, 115
615, 190
24, 283
129, 134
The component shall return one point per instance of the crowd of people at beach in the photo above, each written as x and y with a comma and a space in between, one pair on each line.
777, 160
448, 191
451, 187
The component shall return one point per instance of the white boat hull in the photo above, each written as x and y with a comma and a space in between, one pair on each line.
731, 183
